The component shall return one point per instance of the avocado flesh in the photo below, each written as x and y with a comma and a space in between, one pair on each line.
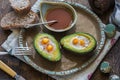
65, 42
55, 55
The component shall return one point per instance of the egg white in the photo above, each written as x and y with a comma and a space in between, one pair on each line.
42, 47
78, 46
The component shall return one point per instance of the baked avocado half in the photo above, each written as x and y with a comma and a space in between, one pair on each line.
79, 42
47, 46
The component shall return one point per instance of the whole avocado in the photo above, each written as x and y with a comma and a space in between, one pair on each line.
101, 6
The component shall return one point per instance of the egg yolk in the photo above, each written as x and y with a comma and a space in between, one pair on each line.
45, 40
49, 47
75, 41
82, 42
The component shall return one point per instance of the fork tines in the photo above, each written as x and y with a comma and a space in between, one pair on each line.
22, 51
22, 48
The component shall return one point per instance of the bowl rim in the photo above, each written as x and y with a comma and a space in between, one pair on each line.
70, 8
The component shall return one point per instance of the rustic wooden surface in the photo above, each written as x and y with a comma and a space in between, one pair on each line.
30, 74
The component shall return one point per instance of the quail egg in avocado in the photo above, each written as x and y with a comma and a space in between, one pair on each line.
47, 46
79, 42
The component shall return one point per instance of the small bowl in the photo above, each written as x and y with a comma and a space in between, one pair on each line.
45, 6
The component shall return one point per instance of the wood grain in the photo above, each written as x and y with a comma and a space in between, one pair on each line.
31, 74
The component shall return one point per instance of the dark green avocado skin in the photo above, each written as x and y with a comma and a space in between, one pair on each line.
66, 45
56, 55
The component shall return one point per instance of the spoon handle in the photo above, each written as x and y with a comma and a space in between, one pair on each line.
30, 25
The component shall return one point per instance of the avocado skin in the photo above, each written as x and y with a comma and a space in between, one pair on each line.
54, 58
84, 51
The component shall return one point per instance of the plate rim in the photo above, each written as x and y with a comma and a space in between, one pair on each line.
70, 71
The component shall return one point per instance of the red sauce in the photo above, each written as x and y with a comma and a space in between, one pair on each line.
63, 17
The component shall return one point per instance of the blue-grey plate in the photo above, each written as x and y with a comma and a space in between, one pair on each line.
87, 22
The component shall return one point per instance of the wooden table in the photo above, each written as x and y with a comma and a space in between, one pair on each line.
31, 74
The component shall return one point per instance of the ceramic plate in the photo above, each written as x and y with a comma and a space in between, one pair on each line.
87, 22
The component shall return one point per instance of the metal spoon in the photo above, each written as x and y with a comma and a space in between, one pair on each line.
31, 25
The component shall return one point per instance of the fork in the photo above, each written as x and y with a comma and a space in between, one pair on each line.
18, 51
22, 51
